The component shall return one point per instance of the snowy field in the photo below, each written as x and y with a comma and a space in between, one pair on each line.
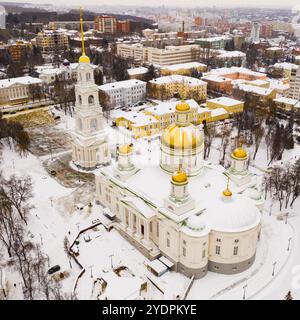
55, 217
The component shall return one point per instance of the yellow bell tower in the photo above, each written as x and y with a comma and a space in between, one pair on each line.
84, 58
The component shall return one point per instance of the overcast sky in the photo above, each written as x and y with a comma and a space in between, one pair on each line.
183, 3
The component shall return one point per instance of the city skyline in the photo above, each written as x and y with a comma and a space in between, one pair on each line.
171, 3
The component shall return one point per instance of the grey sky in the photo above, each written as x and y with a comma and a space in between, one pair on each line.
181, 3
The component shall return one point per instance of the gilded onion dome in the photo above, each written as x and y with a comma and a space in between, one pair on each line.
181, 137
239, 153
182, 106
179, 177
125, 149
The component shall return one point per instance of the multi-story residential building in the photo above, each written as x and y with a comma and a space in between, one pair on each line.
105, 24
123, 26
186, 87
213, 42
125, 93
18, 49
232, 106
17, 90
2, 17
223, 58
221, 79
255, 32
294, 91
184, 69
163, 57
52, 40
288, 105
137, 73
285, 69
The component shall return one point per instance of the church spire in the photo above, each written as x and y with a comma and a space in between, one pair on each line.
83, 58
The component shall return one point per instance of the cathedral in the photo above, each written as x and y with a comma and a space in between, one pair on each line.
199, 216
184, 209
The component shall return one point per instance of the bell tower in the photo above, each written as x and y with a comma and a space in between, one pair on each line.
90, 142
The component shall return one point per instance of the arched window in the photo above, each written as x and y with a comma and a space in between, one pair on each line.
80, 77
93, 124
91, 99
79, 99
88, 76
79, 122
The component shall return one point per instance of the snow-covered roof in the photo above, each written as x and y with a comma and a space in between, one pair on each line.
140, 70
286, 65
218, 112
225, 101
254, 89
138, 119
121, 84
230, 54
231, 70
215, 78
289, 101
178, 78
5, 83
169, 107
206, 189
188, 65
140, 205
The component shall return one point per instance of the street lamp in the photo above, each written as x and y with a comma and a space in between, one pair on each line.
270, 212
273, 272
111, 261
286, 217
289, 242
244, 294
91, 267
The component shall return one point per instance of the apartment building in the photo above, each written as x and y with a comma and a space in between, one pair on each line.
105, 24
232, 106
187, 87
125, 93
294, 91
184, 69
162, 57
52, 40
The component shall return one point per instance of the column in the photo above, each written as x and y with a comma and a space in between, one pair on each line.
130, 226
123, 217
147, 230
138, 227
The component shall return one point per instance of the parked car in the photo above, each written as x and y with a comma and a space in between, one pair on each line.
54, 269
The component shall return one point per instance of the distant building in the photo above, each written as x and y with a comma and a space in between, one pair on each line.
125, 93
18, 49
123, 26
168, 56
17, 90
186, 87
232, 106
184, 69
294, 91
52, 40
2, 18
137, 73
255, 32
105, 24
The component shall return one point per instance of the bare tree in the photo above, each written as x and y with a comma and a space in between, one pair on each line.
258, 135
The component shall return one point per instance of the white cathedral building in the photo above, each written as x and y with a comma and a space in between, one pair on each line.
90, 147
179, 208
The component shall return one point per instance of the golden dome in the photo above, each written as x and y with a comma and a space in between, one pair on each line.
179, 177
182, 106
125, 149
227, 193
239, 153
181, 137
84, 59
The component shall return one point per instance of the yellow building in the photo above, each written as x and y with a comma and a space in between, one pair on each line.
156, 118
184, 69
166, 87
51, 40
232, 106
140, 123
165, 113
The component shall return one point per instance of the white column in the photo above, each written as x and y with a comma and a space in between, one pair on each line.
147, 230
138, 227
123, 217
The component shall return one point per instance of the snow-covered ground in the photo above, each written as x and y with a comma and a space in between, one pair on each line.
54, 217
